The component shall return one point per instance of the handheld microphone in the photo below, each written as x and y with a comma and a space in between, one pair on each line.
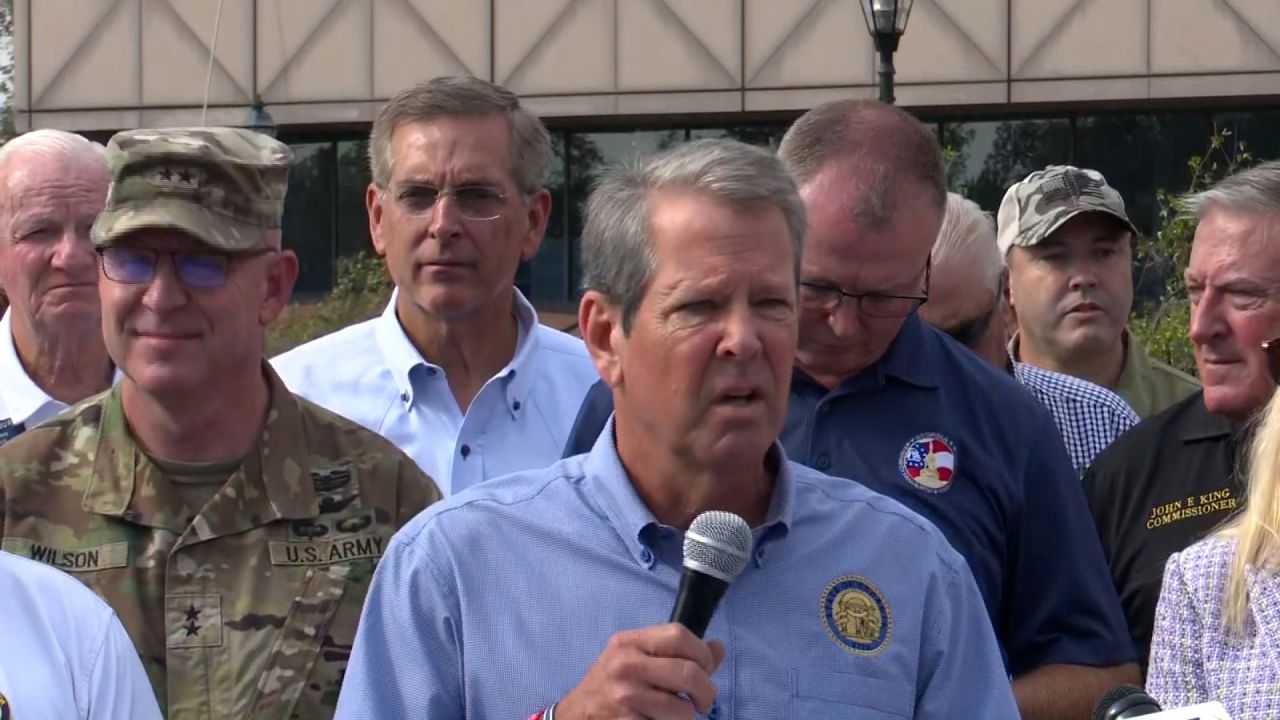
716, 548
1124, 702
1129, 701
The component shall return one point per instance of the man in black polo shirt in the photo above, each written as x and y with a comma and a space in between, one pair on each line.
1172, 479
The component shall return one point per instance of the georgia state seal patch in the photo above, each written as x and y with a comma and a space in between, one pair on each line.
928, 462
856, 615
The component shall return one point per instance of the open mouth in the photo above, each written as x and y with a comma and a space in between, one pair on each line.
744, 397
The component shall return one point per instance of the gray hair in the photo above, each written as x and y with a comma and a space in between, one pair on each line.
617, 249
48, 143
968, 234
886, 141
1256, 189
452, 96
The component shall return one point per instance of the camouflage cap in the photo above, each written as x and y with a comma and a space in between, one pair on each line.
223, 185
1046, 199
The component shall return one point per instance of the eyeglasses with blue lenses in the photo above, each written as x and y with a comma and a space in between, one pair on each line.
135, 266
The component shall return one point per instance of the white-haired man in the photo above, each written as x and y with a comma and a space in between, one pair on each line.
1173, 479
52, 355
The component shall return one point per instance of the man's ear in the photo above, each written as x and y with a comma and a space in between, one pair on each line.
539, 212
281, 276
373, 203
600, 324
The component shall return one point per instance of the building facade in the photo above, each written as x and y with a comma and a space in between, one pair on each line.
1131, 87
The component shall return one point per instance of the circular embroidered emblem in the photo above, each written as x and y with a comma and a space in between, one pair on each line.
928, 462
6, 712
856, 615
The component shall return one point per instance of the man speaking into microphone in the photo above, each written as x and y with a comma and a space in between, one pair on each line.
547, 594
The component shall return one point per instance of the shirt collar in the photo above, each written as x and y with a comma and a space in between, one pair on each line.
912, 357
22, 396
1200, 424
611, 487
120, 486
403, 357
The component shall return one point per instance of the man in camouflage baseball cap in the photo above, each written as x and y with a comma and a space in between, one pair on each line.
223, 186
232, 525
1068, 244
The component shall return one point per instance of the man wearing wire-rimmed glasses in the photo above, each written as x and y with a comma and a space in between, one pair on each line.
880, 397
458, 372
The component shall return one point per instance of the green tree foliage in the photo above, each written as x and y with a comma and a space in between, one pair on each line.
1162, 323
360, 292
6, 70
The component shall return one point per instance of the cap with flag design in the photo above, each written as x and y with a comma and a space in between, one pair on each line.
222, 185
1045, 200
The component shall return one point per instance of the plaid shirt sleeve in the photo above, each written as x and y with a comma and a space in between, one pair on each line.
1176, 675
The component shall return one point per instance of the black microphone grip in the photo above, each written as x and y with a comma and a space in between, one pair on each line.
696, 602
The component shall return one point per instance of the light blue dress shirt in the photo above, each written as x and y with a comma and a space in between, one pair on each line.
495, 602
372, 374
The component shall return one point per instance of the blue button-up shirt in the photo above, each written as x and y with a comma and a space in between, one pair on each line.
372, 374
495, 602
1088, 416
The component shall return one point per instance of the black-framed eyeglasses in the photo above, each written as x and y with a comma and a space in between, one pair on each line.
1272, 350
473, 202
203, 270
827, 298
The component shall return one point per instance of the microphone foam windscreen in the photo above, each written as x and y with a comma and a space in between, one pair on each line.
717, 543
1111, 697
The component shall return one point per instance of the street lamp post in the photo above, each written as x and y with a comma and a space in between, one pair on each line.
886, 21
259, 119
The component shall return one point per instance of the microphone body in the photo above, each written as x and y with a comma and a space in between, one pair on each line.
697, 600
1130, 701
1125, 702
717, 546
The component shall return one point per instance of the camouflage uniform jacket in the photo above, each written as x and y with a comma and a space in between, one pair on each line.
249, 609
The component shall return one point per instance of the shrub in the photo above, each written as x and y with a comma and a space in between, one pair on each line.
361, 291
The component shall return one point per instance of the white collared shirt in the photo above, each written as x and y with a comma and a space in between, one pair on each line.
23, 405
372, 374
65, 653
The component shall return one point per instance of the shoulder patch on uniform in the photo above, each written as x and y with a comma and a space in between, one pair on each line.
72, 560
6, 711
856, 615
928, 461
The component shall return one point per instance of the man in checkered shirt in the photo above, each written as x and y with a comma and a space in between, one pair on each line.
967, 301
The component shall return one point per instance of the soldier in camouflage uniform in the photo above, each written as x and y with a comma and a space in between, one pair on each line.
233, 526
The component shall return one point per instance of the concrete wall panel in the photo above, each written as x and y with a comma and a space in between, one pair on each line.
81, 62
954, 40
177, 36
670, 45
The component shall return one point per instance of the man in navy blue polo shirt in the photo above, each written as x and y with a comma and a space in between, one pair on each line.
880, 396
